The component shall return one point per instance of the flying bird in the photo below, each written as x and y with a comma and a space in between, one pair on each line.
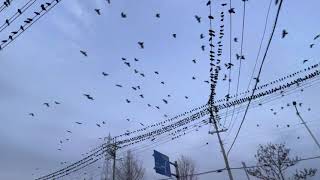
162, 82
141, 44
186, 97
158, 15
304, 61
123, 15
98, 125
88, 96
142, 74
231, 11
316, 37
223, 4
69, 131
165, 101
198, 18
311, 45
157, 107
284, 33
31, 114
128, 101
105, 74
84, 53
141, 95
201, 36
156, 72
235, 39
56, 102
174, 35
46, 104
194, 61
118, 85
97, 11
127, 63
135, 59
78, 122
103, 122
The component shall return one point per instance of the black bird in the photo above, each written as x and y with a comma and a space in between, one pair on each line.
156, 72
284, 33
174, 35
22, 28
235, 39
46, 104
124, 59
69, 131
141, 44
31, 114
56, 102
165, 101
201, 36
136, 71
231, 11
123, 15
7, 21
141, 124
14, 32
135, 59
193, 77
309, 109
105, 74
311, 45
158, 15
208, 3
162, 82
206, 82
134, 88
149, 105
59, 149
84, 53
48, 4
229, 65
316, 37
78, 122
98, 125
128, 64
4, 41
304, 61
38, 14
19, 11
186, 97
10, 37
203, 47
118, 85
43, 8
88, 96
198, 18
141, 95
128, 101
60, 142
223, 4
109, 1
97, 11
194, 61
157, 107
142, 74
103, 122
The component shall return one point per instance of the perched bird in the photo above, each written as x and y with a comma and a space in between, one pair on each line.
174, 35
7, 22
97, 11
38, 14
158, 15
19, 11
88, 96
141, 44
198, 18
284, 33
43, 8
22, 28
123, 15
208, 3
223, 4
203, 47
46, 104
31, 114
78, 122
231, 11
235, 39
124, 59
105, 74
84, 53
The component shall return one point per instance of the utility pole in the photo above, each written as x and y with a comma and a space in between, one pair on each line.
245, 169
212, 119
177, 170
114, 155
305, 124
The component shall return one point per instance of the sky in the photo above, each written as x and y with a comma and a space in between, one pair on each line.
45, 65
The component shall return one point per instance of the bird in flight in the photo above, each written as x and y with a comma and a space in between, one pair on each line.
311, 45
141, 95
128, 101
316, 37
141, 44
174, 35
156, 72
98, 125
84, 53
223, 4
127, 63
304, 61
118, 85
194, 61
201, 36
235, 39
31, 114
198, 18
186, 97
78, 122
203, 47
162, 82
97, 11
88, 96
56, 102
46, 104
231, 11
123, 15
105, 74
135, 59
284, 33
69, 131
165, 101
158, 15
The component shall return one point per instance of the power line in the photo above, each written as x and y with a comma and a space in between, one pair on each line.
260, 69
5, 4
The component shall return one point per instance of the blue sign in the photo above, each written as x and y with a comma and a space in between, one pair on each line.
162, 164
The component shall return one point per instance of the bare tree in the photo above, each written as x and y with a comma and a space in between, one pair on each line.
129, 168
186, 167
273, 161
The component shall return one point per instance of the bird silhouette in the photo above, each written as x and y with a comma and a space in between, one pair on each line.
174, 35
78, 122
193, 77
141, 95
127, 63
136, 71
141, 44
201, 36
69, 131
194, 61
19, 11
97, 11
59, 149
98, 125
22, 28
203, 47
124, 59
231, 10
206, 82
165, 101
88, 97
158, 15
311, 45
134, 88
304, 61
208, 3
309, 109
235, 39
56, 102
157, 107
186, 97
149, 105
141, 124
103, 122
156, 72
7, 22
118, 85
316, 37
43, 8
84, 53
46, 104
109, 1
123, 15
128, 101
142, 74
135, 59
198, 18
105, 74
31, 114
162, 82
284, 33
61, 142
223, 4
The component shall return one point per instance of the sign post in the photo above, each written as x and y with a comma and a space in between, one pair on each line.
162, 165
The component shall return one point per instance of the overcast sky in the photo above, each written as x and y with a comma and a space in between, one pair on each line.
45, 65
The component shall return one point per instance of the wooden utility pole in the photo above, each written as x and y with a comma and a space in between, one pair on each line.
305, 124
114, 155
245, 169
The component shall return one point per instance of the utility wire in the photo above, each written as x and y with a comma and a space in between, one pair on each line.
259, 73
5, 4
